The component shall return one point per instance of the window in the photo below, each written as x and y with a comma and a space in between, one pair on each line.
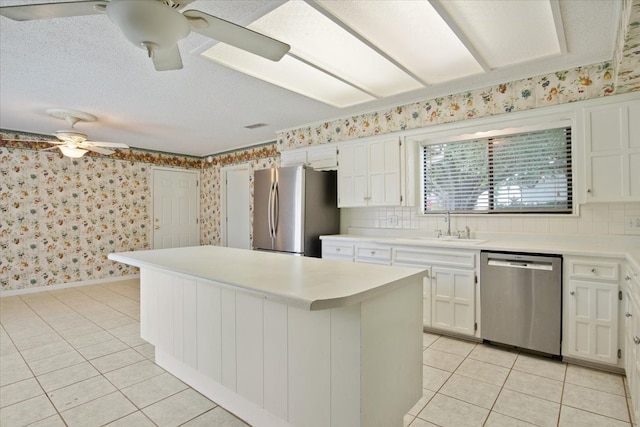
526, 172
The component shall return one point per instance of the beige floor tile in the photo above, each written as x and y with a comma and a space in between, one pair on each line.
446, 411
133, 374
89, 340
527, 408
19, 391
88, 328
81, 392
495, 355
441, 360
483, 371
46, 351
67, 376
498, 420
599, 402
418, 422
470, 390
55, 362
603, 381
27, 412
535, 385
117, 360
102, 349
153, 390
116, 321
13, 369
99, 411
147, 350
428, 339
407, 419
433, 378
573, 417
49, 337
452, 345
216, 417
547, 368
179, 408
419, 406
137, 419
53, 421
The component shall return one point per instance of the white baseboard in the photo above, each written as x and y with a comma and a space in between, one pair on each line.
36, 289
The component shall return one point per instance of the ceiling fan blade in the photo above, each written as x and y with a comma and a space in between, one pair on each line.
48, 149
236, 35
167, 59
104, 144
99, 150
53, 10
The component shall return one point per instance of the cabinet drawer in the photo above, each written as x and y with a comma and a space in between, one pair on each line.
434, 257
374, 252
594, 270
337, 249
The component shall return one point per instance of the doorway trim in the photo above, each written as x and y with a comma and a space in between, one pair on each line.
223, 200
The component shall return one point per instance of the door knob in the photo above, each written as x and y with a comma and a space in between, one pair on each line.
157, 227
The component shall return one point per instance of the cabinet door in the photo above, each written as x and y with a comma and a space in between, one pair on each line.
426, 300
352, 175
384, 172
613, 152
593, 321
293, 157
453, 300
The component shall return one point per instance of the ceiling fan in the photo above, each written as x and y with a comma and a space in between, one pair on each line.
156, 26
75, 144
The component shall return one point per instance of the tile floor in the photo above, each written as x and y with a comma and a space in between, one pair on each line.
74, 357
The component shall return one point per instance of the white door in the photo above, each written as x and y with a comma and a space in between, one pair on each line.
175, 208
453, 300
593, 321
236, 199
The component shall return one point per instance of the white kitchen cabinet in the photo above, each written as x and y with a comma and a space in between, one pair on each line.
320, 157
632, 338
591, 303
612, 136
449, 288
369, 173
341, 251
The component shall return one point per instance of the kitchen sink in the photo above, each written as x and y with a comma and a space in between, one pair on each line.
447, 239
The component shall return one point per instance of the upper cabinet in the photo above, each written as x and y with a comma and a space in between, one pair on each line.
321, 157
369, 173
612, 150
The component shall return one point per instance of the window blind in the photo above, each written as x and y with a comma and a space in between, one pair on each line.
518, 173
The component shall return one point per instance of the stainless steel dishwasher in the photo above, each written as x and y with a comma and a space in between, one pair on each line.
521, 300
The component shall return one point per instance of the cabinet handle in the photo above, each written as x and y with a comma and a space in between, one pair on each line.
627, 314
636, 340
589, 190
373, 253
428, 275
337, 249
157, 227
572, 293
593, 270
627, 278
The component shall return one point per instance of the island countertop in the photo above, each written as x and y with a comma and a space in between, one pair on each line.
308, 283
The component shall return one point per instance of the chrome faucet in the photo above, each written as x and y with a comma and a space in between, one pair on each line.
447, 219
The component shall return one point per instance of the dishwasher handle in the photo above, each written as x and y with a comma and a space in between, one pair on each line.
528, 265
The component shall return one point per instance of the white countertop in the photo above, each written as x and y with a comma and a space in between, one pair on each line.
309, 283
627, 247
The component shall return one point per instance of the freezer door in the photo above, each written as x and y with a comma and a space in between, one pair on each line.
288, 213
261, 197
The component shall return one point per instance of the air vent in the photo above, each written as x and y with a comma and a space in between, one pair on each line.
256, 126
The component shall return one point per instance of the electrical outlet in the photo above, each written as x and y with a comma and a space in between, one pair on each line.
392, 220
632, 224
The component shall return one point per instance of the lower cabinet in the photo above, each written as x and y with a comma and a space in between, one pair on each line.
591, 304
632, 339
449, 294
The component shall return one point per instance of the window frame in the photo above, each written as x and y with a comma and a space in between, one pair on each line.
495, 130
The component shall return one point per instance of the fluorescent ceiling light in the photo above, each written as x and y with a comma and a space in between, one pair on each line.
502, 39
348, 52
411, 32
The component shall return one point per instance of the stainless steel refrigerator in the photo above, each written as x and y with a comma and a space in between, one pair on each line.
293, 206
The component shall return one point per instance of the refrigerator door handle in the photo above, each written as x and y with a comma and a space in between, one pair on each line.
276, 209
270, 211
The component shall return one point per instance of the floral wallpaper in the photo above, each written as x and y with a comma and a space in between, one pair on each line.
61, 217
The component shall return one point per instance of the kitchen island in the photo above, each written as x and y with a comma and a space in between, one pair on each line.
283, 340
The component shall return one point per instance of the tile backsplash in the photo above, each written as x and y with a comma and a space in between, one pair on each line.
600, 219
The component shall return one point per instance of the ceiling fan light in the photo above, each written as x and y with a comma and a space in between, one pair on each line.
72, 152
149, 22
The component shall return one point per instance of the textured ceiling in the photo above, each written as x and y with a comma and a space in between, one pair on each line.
85, 63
